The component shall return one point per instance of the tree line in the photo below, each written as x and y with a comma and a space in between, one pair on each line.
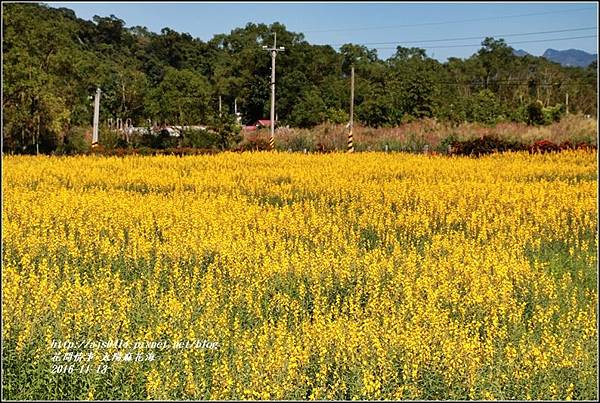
54, 61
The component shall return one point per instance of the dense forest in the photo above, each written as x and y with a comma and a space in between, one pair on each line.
53, 62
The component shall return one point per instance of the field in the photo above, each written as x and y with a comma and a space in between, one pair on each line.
300, 276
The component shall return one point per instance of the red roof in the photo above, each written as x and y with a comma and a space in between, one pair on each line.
263, 122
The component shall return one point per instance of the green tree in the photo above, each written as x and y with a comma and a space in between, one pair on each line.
418, 95
39, 89
227, 130
310, 110
181, 98
535, 114
495, 57
484, 107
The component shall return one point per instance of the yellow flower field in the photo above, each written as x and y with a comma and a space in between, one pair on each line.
339, 276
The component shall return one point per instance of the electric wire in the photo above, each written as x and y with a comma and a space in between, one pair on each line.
511, 43
446, 22
471, 37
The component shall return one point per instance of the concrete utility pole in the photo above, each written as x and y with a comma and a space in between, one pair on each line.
219, 105
567, 102
273, 51
350, 140
37, 137
96, 118
235, 112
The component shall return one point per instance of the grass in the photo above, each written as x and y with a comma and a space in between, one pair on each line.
413, 136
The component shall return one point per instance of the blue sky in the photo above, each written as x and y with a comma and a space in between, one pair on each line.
368, 22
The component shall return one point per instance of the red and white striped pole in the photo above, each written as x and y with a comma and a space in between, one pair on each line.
350, 139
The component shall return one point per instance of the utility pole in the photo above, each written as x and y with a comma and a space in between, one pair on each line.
273, 51
567, 102
238, 118
350, 143
219, 106
37, 137
96, 118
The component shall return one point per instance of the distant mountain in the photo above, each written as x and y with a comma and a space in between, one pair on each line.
520, 53
571, 57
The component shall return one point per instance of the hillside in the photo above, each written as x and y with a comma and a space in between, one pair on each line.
567, 58
570, 57
520, 52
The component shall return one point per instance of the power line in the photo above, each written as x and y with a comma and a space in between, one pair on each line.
471, 37
476, 83
448, 22
478, 44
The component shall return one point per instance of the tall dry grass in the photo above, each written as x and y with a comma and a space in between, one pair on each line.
415, 135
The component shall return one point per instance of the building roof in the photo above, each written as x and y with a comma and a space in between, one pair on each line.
263, 122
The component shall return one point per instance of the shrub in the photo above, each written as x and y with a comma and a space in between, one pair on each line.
414, 143
484, 107
301, 142
543, 146
553, 113
586, 146
145, 151
535, 114
227, 130
336, 116
566, 145
181, 151
110, 138
485, 145
96, 149
253, 143
75, 141
324, 148
446, 143
200, 138
519, 114
391, 143
164, 140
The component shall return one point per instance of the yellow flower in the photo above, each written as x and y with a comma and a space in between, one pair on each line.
366, 276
